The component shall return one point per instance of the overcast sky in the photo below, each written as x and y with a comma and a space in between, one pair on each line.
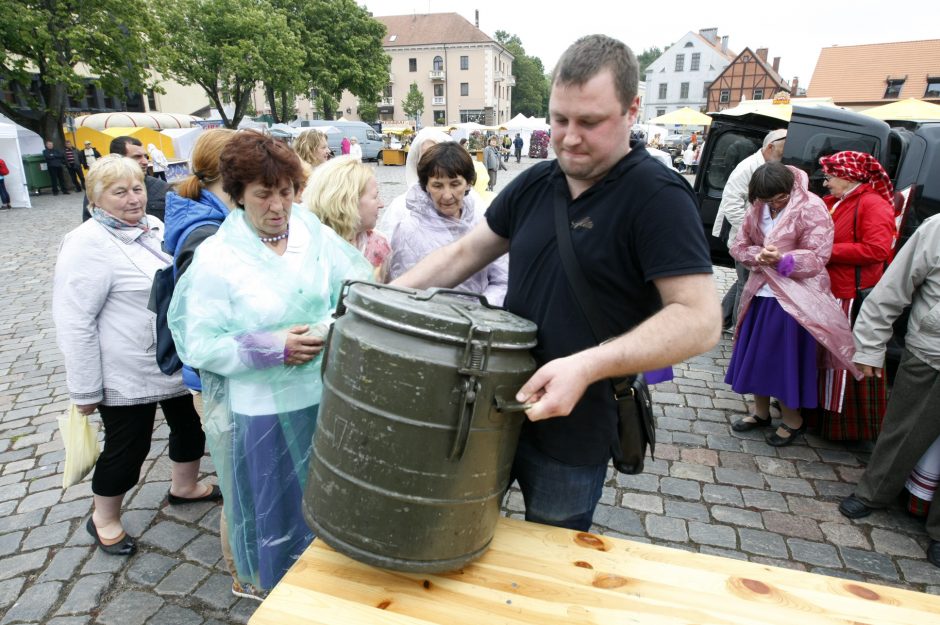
796, 35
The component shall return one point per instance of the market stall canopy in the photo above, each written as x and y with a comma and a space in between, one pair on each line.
910, 109
183, 140
682, 117
30, 142
10, 152
157, 121
771, 108
145, 136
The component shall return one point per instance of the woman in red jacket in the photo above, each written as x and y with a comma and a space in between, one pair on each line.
861, 204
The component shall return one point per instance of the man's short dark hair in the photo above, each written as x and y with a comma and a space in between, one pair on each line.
119, 144
590, 55
445, 160
769, 180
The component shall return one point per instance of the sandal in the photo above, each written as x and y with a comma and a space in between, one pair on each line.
247, 591
775, 440
741, 425
214, 494
125, 546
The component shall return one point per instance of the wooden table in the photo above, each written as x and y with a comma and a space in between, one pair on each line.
547, 576
393, 157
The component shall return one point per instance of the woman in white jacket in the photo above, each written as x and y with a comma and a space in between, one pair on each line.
103, 276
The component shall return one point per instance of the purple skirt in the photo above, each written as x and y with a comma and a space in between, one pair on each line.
774, 356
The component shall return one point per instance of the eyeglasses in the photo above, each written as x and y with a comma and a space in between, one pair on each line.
827, 177
776, 201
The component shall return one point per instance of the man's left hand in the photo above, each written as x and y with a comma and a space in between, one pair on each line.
554, 389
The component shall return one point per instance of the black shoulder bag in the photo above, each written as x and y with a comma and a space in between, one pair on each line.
636, 425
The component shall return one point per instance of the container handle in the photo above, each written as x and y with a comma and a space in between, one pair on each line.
438, 291
465, 417
348, 284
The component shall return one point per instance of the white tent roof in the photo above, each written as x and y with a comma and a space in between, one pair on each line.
30, 142
15, 181
183, 140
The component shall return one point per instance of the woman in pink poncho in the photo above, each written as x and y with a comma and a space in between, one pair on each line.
789, 321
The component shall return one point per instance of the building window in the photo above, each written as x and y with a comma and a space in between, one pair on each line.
696, 61
725, 96
472, 116
412, 65
705, 89
464, 88
660, 112
438, 90
151, 100
387, 92
662, 91
465, 62
684, 91
680, 62
439, 119
933, 87
438, 64
758, 94
893, 90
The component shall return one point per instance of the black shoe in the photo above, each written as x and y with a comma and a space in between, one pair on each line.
933, 552
746, 426
775, 440
214, 495
853, 508
127, 546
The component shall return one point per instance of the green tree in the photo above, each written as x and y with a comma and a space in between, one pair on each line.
646, 57
340, 48
368, 111
44, 41
227, 47
413, 104
530, 95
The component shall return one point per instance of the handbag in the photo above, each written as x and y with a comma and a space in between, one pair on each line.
80, 439
636, 425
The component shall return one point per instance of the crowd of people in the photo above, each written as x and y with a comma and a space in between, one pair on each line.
261, 236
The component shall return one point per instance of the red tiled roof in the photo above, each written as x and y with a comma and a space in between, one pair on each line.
767, 67
431, 28
728, 54
858, 74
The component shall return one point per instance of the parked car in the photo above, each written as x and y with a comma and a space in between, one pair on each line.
369, 140
910, 153
675, 145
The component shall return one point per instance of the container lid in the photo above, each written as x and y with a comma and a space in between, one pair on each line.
438, 314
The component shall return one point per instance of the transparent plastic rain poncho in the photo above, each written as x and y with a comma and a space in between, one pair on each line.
799, 281
229, 317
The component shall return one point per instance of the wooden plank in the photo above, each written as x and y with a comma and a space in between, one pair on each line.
540, 575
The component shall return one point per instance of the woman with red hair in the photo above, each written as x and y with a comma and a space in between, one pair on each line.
860, 201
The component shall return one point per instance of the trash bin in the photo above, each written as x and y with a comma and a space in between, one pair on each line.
37, 173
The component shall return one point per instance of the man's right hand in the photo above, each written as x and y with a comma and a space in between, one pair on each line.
300, 348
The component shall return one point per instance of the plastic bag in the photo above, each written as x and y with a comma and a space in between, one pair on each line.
80, 438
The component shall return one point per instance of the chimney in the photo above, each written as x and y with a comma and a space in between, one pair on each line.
724, 43
711, 34
777, 64
476, 18
795, 85
762, 53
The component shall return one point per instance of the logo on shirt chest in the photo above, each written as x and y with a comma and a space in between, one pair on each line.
585, 223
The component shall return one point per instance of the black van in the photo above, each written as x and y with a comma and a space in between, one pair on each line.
909, 152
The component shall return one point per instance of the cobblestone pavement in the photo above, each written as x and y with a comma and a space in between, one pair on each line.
708, 490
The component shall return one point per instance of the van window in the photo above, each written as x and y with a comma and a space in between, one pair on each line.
806, 144
730, 149
371, 135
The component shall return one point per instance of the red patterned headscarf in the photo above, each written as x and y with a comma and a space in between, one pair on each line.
860, 167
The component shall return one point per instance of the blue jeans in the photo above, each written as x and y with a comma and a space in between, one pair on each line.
556, 493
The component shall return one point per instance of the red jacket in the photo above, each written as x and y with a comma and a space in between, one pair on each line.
870, 248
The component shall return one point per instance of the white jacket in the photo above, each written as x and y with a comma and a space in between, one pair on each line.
99, 305
734, 196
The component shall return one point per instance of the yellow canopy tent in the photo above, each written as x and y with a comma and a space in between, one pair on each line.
910, 109
145, 136
683, 117
99, 140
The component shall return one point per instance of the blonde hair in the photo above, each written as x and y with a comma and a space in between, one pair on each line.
108, 170
333, 193
204, 162
308, 144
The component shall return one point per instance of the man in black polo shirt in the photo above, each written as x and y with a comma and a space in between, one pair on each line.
637, 236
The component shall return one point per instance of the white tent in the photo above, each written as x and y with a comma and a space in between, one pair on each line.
524, 127
15, 181
30, 142
183, 140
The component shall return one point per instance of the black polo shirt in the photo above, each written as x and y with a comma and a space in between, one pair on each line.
639, 223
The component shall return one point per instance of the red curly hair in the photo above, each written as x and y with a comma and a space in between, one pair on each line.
254, 157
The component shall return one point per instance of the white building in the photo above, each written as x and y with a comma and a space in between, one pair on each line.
682, 75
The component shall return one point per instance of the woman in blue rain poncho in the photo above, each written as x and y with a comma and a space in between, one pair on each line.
250, 314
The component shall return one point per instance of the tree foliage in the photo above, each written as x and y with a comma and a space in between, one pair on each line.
368, 111
50, 40
413, 104
340, 49
646, 57
530, 95
227, 47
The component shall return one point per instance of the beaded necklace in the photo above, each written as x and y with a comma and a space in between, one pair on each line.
277, 238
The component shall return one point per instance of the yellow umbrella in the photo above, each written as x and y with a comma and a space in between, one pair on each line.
683, 117
910, 109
